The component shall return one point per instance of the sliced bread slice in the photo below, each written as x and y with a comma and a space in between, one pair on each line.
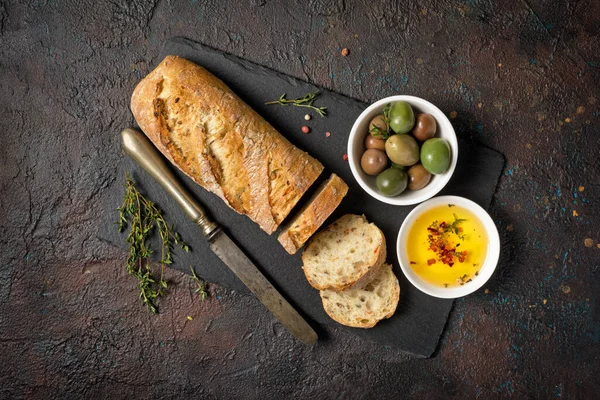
317, 209
346, 254
364, 308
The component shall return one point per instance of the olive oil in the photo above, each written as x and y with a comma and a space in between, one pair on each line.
447, 245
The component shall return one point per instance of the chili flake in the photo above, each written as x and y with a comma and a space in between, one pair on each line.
438, 238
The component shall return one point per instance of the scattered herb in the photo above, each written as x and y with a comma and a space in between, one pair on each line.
377, 131
306, 101
451, 205
142, 216
202, 285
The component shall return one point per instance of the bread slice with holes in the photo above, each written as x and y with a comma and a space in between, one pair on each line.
348, 253
316, 210
364, 308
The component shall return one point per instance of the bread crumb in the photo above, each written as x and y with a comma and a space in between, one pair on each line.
581, 188
453, 114
588, 242
544, 301
345, 51
575, 214
487, 291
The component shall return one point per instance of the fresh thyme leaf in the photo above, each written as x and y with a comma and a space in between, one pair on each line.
142, 216
306, 101
377, 131
453, 227
202, 286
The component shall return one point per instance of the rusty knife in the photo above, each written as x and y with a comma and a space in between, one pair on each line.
142, 151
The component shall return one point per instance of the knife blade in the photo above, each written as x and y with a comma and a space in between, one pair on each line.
141, 150
237, 261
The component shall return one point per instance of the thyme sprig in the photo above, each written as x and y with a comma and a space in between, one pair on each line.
143, 216
453, 227
201, 285
306, 101
377, 131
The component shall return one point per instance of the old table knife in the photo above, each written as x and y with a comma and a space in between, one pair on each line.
141, 150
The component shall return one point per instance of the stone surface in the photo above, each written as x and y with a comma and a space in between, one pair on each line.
520, 77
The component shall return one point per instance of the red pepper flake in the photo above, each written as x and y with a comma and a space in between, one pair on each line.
327, 134
305, 129
345, 157
438, 242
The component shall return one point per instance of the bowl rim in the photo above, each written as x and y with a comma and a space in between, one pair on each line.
427, 194
486, 270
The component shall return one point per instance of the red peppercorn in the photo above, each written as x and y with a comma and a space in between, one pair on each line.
305, 129
345, 157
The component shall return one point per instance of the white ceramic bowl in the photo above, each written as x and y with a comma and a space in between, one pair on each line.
356, 148
486, 270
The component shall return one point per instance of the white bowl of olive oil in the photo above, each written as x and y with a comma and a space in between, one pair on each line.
448, 247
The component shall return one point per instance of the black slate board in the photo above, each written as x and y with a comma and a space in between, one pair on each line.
420, 319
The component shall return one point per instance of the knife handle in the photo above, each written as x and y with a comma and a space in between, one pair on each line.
142, 151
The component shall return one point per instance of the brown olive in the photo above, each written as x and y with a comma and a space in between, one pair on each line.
373, 161
424, 127
371, 142
378, 124
418, 177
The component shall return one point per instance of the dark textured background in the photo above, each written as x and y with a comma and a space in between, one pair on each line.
519, 76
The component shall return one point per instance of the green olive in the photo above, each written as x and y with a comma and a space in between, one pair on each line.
372, 142
435, 155
424, 127
418, 177
402, 117
378, 124
373, 161
392, 181
402, 150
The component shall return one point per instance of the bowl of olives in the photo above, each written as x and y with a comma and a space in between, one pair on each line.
402, 150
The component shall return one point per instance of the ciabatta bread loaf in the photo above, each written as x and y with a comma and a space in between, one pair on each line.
363, 308
346, 254
318, 208
215, 138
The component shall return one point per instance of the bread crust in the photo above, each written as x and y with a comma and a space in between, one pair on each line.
316, 210
216, 139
